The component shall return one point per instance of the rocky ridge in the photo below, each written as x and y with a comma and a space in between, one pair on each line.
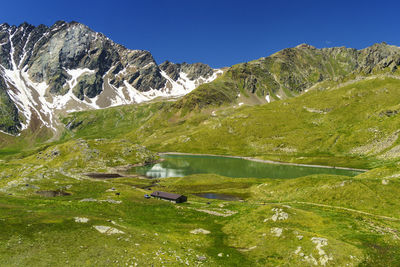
45, 71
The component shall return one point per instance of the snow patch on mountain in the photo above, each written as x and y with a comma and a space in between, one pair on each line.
184, 85
217, 72
135, 95
24, 97
33, 98
75, 74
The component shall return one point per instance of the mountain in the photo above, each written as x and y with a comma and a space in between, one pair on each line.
47, 71
291, 72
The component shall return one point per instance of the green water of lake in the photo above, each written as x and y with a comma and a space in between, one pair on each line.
183, 165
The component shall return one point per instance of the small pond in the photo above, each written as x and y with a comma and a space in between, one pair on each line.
183, 165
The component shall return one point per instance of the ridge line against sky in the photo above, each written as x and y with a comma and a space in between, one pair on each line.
219, 33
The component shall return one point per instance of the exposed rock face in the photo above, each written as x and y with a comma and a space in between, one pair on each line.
69, 67
193, 71
171, 69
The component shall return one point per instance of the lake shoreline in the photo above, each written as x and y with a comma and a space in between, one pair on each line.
266, 161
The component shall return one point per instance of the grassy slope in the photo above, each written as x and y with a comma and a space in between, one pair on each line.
11, 146
44, 229
353, 238
9, 120
317, 127
354, 125
110, 123
157, 232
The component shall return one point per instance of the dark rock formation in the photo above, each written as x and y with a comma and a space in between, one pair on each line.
193, 71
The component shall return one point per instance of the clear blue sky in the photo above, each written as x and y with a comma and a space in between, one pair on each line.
220, 33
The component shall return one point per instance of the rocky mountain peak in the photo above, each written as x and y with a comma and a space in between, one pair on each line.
306, 46
68, 67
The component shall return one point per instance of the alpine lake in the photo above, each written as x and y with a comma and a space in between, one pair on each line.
174, 165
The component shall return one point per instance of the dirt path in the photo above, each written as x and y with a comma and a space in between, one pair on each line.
266, 161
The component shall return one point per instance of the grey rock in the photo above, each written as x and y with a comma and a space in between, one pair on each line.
196, 70
201, 258
88, 200
193, 71
171, 69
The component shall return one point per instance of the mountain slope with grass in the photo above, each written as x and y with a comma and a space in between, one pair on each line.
354, 124
292, 71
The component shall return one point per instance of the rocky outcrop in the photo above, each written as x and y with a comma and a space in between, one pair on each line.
171, 69
196, 70
68, 67
192, 71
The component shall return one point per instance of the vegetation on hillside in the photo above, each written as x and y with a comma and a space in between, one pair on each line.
353, 125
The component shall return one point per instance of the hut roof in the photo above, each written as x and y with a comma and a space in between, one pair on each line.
165, 195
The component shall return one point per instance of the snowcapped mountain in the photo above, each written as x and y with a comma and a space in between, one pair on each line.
48, 71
